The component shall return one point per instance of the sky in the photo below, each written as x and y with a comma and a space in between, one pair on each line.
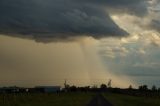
86, 42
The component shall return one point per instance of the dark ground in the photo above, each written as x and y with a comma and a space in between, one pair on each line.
99, 100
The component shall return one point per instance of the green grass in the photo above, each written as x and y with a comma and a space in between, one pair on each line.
62, 99
73, 99
126, 100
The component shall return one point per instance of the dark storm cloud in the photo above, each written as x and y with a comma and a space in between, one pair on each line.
135, 7
64, 18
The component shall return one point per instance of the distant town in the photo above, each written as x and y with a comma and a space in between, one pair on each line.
104, 94
142, 90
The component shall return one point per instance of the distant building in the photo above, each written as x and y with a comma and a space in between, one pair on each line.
48, 89
12, 89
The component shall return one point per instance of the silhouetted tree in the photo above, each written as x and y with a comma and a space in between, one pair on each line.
94, 86
103, 86
154, 88
130, 87
143, 88
73, 88
85, 89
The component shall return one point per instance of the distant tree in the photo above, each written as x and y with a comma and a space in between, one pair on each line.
143, 88
154, 88
94, 87
130, 87
73, 88
66, 86
103, 86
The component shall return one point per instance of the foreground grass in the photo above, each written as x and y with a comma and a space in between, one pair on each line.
126, 100
73, 99
62, 99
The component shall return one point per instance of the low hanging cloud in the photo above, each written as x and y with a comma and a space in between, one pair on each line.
61, 19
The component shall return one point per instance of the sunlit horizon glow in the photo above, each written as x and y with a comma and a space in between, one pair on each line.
83, 61
51, 64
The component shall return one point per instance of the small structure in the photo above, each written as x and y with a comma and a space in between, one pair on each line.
48, 89
12, 89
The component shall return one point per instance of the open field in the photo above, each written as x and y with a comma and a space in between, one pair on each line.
126, 100
61, 99
73, 99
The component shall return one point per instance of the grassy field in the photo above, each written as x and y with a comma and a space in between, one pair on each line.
62, 99
73, 99
125, 100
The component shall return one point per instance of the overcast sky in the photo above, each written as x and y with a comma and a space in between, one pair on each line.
44, 42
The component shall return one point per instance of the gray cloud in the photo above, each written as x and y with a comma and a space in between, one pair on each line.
135, 7
155, 24
59, 18
63, 19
